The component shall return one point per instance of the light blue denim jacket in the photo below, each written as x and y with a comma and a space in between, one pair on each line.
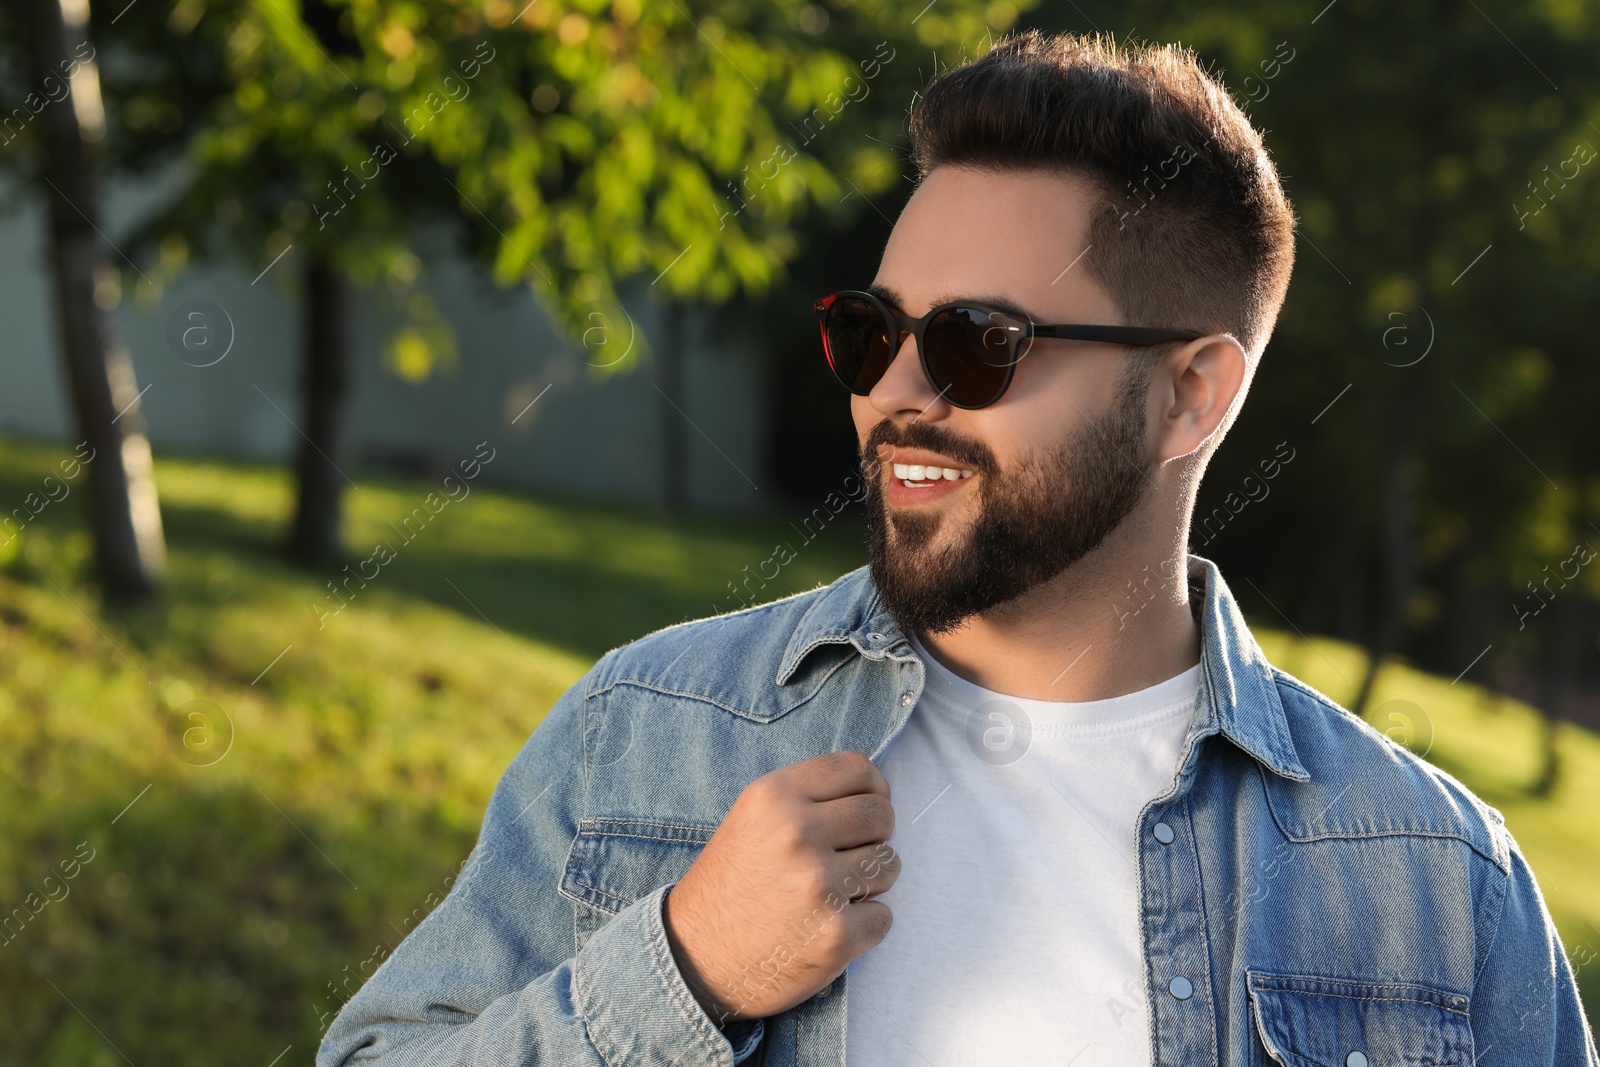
1310, 892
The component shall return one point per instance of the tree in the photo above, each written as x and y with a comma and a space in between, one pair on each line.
280, 176
60, 128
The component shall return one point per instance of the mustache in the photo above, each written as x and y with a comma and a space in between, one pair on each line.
968, 453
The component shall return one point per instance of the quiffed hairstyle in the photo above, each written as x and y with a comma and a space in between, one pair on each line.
1191, 229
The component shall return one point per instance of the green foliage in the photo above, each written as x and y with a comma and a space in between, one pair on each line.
574, 144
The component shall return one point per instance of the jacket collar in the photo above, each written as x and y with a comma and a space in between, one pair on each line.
1243, 701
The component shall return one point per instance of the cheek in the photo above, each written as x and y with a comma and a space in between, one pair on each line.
1014, 429
1070, 379
864, 415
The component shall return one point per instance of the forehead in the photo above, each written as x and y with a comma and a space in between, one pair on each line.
969, 234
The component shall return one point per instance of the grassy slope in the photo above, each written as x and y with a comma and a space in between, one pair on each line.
217, 920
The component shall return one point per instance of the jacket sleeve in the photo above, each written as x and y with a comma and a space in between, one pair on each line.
490, 977
1525, 1007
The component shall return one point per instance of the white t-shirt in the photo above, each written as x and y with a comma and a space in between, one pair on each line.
1016, 931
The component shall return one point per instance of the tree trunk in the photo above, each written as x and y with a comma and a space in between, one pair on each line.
124, 515
325, 393
1559, 671
674, 409
1399, 565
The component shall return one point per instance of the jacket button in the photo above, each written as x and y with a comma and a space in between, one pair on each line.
1163, 833
905, 699
825, 990
1355, 1059
1183, 989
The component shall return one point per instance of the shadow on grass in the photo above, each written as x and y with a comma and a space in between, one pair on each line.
579, 604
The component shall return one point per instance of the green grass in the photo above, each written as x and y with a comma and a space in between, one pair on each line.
217, 921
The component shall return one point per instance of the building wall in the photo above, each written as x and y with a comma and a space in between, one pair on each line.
590, 433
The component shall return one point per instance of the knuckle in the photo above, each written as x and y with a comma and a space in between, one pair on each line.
848, 761
883, 861
855, 758
813, 881
790, 836
782, 782
866, 818
882, 814
761, 792
892, 864
879, 921
836, 939
809, 822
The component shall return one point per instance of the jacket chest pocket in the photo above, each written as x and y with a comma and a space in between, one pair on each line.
1308, 1021
615, 861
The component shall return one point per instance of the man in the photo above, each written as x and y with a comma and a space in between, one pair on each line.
1121, 837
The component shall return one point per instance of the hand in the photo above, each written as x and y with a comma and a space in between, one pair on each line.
780, 900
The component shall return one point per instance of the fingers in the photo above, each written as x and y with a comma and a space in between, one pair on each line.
866, 872
853, 821
866, 923
836, 774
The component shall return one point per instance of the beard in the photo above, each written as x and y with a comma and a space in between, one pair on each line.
1034, 520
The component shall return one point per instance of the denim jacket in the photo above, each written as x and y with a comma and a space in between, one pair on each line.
1311, 893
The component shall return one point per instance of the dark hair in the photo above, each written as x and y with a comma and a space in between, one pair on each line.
1207, 247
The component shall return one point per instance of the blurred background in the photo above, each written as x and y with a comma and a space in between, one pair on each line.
370, 367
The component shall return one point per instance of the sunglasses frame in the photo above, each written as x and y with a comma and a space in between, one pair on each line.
899, 326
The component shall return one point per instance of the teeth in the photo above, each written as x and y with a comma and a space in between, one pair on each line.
921, 474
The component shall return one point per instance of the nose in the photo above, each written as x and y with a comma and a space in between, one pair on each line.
905, 388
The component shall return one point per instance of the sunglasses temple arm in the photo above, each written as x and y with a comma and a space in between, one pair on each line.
1125, 335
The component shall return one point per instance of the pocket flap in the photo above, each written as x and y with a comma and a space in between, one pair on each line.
613, 862
1310, 1021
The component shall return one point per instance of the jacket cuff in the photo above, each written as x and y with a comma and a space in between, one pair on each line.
639, 1010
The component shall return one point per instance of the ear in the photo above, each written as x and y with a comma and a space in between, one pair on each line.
1198, 385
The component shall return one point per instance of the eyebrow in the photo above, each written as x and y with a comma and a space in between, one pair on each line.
999, 303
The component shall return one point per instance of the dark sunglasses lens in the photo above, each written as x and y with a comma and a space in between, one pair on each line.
855, 337
969, 354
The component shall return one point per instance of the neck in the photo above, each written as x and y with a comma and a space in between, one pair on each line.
1115, 622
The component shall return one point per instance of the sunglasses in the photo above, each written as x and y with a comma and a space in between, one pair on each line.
969, 351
